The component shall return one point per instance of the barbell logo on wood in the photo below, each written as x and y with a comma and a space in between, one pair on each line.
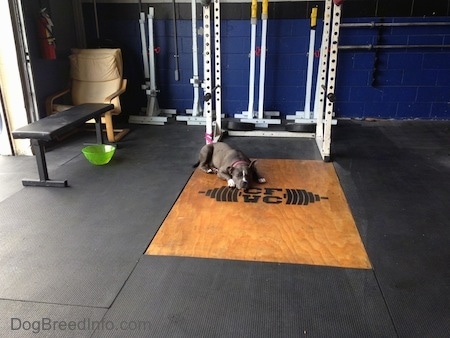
264, 195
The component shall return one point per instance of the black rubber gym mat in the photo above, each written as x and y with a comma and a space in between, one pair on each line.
12, 171
78, 245
398, 188
192, 297
62, 247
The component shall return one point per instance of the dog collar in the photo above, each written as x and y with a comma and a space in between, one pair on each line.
235, 164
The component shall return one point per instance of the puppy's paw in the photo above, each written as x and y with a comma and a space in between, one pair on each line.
231, 183
262, 180
209, 171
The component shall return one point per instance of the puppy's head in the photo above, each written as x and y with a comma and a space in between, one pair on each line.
241, 175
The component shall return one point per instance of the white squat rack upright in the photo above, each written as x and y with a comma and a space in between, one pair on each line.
327, 77
153, 114
308, 115
211, 114
325, 87
260, 117
195, 115
212, 84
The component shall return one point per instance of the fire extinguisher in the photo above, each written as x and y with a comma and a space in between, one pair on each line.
47, 42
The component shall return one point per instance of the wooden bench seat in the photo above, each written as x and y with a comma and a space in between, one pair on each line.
49, 128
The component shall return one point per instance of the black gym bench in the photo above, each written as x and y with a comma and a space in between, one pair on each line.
49, 128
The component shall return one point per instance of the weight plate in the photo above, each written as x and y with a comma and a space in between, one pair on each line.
301, 127
240, 126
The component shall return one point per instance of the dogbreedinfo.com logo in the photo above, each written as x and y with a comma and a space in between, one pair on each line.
264, 195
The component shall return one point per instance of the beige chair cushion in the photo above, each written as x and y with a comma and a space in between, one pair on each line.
116, 52
95, 76
93, 68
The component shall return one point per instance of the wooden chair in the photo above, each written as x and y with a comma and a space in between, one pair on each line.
96, 76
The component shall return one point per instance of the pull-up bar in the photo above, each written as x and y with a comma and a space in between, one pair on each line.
373, 24
371, 47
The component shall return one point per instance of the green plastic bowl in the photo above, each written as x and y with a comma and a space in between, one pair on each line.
99, 154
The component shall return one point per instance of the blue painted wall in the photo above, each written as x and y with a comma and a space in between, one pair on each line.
395, 83
287, 44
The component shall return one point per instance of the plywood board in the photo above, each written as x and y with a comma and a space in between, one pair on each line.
299, 216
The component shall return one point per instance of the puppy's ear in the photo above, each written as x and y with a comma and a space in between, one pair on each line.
230, 170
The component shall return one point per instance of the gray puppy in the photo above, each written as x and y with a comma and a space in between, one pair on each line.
230, 164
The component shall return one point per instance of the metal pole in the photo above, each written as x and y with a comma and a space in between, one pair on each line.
207, 70
321, 85
217, 66
151, 51
175, 40
96, 19
251, 83
309, 75
142, 21
373, 24
327, 77
24, 56
196, 109
371, 47
331, 80
262, 65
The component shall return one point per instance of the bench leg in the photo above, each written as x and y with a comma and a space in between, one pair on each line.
44, 181
98, 129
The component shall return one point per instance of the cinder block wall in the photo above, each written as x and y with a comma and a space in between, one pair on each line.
388, 83
395, 83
